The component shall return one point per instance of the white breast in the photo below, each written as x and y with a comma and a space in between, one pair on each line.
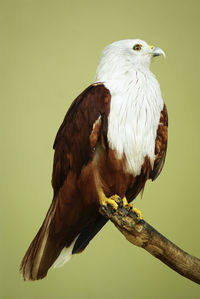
134, 117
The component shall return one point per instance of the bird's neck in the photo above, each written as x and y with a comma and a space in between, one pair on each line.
124, 79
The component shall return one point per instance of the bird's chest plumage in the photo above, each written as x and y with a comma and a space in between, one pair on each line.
133, 121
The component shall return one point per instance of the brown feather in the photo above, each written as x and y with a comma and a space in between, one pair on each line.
73, 136
38, 248
160, 144
75, 203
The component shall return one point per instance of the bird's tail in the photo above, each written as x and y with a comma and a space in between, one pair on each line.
42, 252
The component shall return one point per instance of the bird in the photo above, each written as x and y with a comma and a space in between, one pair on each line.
111, 141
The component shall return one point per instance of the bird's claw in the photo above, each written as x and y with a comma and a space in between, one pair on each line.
116, 202
123, 203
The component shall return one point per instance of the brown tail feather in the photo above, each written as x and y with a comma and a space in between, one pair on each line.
42, 252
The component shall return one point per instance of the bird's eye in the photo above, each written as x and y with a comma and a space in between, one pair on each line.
137, 47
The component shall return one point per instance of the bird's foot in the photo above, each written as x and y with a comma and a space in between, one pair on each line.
129, 206
136, 211
111, 201
117, 202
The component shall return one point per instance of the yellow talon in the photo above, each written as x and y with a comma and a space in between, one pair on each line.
134, 210
113, 200
138, 213
125, 202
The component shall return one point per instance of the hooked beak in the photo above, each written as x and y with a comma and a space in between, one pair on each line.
155, 51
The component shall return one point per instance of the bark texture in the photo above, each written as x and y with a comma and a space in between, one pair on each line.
142, 234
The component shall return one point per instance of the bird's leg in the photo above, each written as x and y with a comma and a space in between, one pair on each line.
117, 202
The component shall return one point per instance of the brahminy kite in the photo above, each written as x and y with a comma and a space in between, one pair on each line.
112, 140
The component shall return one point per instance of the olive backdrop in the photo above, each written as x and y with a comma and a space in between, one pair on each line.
49, 51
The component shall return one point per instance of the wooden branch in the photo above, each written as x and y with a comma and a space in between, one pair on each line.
141, 234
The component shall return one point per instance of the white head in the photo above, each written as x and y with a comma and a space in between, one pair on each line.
120, 57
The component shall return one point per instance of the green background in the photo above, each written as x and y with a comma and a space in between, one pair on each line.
49, 51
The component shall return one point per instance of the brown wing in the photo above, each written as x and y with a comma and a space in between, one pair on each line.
160, 144
69, 212
72, 145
